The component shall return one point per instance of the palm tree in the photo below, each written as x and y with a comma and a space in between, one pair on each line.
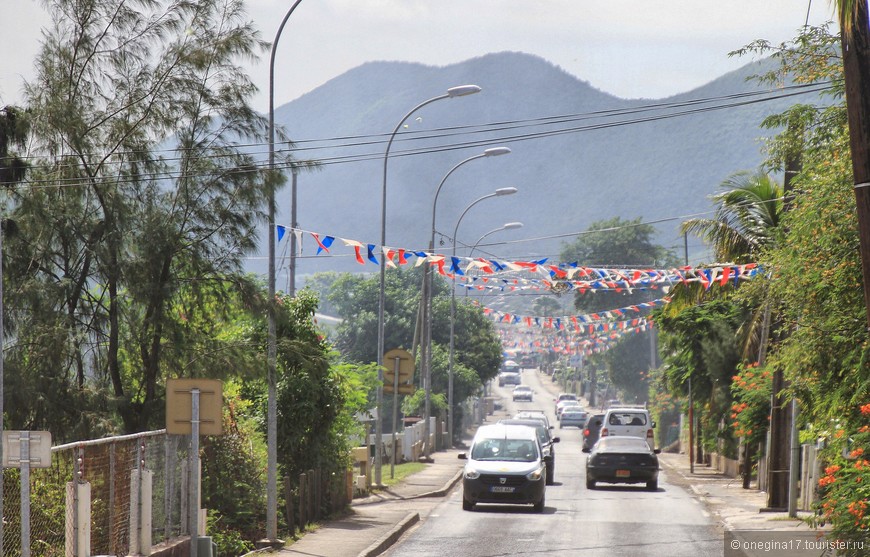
746, 221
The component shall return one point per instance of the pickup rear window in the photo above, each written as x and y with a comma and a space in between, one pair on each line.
627, 418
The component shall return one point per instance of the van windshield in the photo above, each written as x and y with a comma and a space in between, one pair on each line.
517, 450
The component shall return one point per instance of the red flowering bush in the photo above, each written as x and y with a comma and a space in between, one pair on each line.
845, 487
750, 411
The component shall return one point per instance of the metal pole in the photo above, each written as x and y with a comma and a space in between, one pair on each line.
691, 429
691, 402
2, 344
505, 226
291, 288
793, 476
194, 472
272, 351
395, 413
497, 193
24, 489
452, 92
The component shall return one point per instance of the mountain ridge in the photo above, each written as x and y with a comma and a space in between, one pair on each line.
579, 154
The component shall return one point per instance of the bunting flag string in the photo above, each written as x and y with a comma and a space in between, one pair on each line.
575, 322
540, 274
571, 344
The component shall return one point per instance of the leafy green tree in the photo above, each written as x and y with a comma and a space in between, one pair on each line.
139, 111
14, 129
618, 243
702, 343
816, 268
477, 349
545, 306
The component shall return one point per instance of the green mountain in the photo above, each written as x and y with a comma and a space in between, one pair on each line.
579, 155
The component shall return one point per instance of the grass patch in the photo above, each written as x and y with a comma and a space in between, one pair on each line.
400, 472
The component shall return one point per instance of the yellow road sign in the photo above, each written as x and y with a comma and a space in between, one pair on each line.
404, 388
179, 410
405, 362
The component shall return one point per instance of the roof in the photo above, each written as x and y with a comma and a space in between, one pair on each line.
504, 431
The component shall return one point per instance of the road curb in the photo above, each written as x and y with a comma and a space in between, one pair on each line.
440, 492
388, 539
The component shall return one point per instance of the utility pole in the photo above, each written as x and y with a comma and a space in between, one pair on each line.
855, 37
691, 400
779, 459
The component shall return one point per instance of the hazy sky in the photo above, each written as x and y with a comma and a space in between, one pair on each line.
629, 48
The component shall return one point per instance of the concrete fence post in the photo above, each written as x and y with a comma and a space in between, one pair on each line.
78, 519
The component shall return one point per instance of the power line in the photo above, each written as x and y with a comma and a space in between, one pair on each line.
462, 131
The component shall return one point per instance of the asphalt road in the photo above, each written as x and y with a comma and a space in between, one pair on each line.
610, 521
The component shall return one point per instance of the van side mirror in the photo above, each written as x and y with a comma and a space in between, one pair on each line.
555, 439
653, 423
462, 456
586, 450
657, 451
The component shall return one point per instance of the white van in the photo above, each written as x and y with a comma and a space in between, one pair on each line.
630, 421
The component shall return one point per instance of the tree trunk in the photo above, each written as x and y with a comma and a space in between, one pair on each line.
856, 68
748, 454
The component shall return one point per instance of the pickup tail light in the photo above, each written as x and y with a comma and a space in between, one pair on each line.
603, 432
649, 434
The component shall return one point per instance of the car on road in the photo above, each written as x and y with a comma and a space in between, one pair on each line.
505, 465
509, 378
523, 392
545, 438
592, 430
631, 421
511, 366
563, 405
620, 459
573, 417
534, 414
564, 396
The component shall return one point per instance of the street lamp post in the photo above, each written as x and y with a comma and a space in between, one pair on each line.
459, 91
272, 351
497, 193
505, 226
426, 298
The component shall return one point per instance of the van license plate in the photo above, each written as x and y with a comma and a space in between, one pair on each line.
623, 473
501, 489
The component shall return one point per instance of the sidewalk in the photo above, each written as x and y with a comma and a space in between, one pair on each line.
377, 521
724, 497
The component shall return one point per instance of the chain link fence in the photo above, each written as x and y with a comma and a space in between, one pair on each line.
108, 465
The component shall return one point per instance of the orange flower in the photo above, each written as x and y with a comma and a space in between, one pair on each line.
856, 453
826, 480
865, 409
839, 433
830, 470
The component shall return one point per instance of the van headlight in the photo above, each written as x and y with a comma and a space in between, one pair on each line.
471, 474
536, 474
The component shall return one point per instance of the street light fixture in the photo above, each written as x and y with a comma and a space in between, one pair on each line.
459, 91
426, 298
272, 350
497, 193
505, 226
